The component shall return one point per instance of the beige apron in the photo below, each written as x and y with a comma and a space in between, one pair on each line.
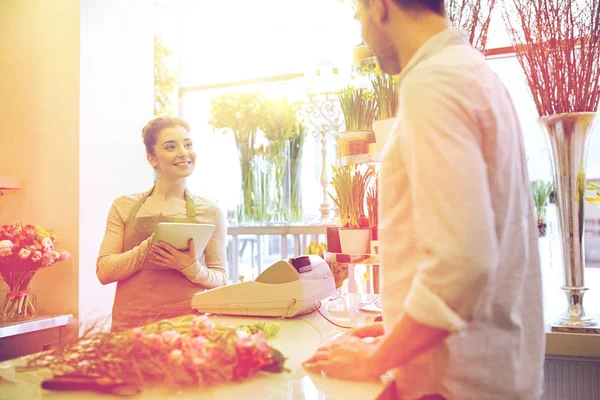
152, 293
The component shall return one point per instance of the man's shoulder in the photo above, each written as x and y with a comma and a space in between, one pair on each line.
453, 66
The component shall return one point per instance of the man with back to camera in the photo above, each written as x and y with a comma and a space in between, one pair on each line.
461, 282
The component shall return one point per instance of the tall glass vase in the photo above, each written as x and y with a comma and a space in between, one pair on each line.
246, 213
296, 211
279, 158
568, 138
296, 152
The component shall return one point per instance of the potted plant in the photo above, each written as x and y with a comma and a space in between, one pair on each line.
359, 109
385, 88
242, 113
350, 185
541, 192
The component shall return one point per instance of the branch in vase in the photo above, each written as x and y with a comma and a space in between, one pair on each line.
557, 44
473, 17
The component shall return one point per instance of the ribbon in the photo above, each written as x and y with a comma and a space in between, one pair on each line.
16, 293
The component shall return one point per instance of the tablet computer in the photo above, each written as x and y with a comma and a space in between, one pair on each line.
178, 234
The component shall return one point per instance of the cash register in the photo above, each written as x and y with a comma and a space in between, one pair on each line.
284, 289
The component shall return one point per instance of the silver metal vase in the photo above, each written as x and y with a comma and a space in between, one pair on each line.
568, 137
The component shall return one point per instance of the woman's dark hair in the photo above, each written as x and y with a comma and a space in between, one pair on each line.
154, 127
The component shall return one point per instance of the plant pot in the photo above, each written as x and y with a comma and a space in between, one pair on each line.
18, 305
382, 129
355, 241
542, 228
368, 135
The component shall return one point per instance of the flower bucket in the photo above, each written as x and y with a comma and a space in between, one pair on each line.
355, 241
382, 129
18, 305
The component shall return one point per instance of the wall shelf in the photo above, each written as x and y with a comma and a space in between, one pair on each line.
360, 159
9, 182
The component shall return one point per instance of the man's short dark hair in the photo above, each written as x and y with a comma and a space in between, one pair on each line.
436, 6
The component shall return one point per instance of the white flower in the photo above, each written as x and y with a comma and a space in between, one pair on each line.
24, 253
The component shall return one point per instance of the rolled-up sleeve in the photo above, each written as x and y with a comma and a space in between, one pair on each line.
455, 237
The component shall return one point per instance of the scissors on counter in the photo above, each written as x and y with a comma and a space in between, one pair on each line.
79, 382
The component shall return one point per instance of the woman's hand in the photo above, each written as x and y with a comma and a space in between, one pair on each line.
165, 255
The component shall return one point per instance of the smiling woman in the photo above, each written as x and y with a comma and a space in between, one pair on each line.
155, 280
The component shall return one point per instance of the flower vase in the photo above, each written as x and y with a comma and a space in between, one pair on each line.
296, 211
568, 137
254, 197
18, 304
279, 184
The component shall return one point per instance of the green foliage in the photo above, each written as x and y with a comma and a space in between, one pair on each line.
350, 185
385, 88
242, 112
359, 108
280, 119
164, 79
372, 203
541, 192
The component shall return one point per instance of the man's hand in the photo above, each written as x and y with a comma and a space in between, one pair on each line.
165, 255
348, 357
372, 330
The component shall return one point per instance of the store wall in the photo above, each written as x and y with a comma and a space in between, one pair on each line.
39, 133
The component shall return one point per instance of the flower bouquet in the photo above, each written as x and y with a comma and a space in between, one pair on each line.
191, 352
242, 113
24, 249
279, 126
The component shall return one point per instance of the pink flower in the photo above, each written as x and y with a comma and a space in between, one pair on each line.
198, 362
49, 258
24, 254
176, 356
63, 256
153, 341
6, 248
242, 334
172, 338
36, 256
197, 343
47, 244
202, 326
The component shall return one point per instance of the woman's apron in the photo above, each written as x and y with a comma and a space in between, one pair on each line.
152, 293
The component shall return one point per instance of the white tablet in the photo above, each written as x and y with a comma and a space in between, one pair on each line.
178, 234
